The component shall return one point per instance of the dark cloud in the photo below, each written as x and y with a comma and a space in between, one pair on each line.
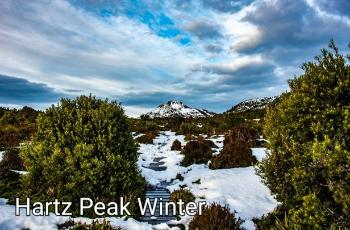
211, 48
247, 77
226, 5
291, 24
341, 7
203, 29
18, 90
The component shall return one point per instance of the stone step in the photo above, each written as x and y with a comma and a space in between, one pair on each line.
157, 168
163, 195
156, 164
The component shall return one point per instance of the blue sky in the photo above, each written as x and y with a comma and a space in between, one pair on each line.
209, 54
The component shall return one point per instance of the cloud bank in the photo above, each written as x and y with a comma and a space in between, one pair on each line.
207, 53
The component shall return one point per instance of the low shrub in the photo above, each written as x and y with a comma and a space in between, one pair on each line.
95, 225
188, 128
182, 194
242, 133
146, 138
196, 152
210, 143
10, 180
176, 145
12, 160
9, 183
236, 154
216, 217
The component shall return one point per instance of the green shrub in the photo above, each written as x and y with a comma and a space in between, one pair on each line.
83, 148
234, 154
182, 194
9, 183
11, 159
188, 128
216, 217
309, 136
196, 152
16, 126
10, 180
146, 138
176, 145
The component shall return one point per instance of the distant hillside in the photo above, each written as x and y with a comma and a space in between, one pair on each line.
252, 104
177, 109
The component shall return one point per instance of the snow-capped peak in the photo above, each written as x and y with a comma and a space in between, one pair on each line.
177, 109
252, 104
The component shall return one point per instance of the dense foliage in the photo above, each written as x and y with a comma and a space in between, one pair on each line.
196, 152
16, 125
216, 217
83, 148
309, 138
10, 180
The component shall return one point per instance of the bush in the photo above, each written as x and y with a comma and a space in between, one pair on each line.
83, 148
176, 145
188, 128
16, 126
236, 154
146, 138
309, 136
11, 159
182, 194
95, 225
216, 217
9, 183
242, 133
10, 180
196, 152
236, 151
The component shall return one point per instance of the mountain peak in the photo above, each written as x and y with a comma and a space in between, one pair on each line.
252, 104
176, 108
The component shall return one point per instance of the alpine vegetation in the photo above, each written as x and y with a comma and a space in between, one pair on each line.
82, 148
309, 138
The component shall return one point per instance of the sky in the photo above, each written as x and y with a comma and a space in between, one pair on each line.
207, 53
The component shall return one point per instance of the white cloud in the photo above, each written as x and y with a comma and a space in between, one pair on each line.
67, 48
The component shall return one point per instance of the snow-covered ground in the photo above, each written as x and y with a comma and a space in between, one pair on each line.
1, 155
239, 188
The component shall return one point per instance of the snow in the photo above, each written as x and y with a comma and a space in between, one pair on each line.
1, 155
238, 188
161, 148
177, 108
257, 103
8, 220
260, 153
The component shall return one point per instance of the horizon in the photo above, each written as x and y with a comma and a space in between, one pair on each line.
207, 54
